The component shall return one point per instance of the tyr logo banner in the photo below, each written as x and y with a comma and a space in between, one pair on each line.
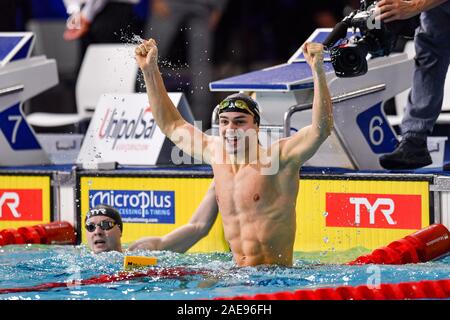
23, 205
374, 211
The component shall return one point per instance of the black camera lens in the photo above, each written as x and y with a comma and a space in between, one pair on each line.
349, 60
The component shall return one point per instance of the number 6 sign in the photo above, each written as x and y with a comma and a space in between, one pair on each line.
376, 130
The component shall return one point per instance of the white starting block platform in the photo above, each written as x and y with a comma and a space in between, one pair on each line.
21, 78
361, 133
292, 75
283, 78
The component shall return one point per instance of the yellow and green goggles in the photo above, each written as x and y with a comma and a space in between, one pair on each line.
238, 105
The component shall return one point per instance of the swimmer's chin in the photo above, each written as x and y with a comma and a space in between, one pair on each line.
101, 248
233, 151
97, 251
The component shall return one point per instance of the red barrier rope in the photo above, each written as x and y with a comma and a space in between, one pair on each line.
427, 289
58, 232
421, 246
174, 272
11, 236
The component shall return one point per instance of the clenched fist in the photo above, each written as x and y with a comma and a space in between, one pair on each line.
313, 53
147, 55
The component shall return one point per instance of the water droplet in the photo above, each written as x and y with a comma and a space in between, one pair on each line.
325, 214
310, 278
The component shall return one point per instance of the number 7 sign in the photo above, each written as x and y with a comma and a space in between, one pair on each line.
16, 130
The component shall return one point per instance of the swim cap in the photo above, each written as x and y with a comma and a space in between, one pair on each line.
240, 102
107, 211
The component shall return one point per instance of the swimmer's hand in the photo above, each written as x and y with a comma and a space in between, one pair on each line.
76, 27
147, 55
313, 53
146, 243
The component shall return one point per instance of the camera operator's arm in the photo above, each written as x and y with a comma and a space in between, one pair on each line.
391, 10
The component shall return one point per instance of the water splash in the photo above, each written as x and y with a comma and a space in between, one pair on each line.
35, 264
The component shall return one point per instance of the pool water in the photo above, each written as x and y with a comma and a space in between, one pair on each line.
30, 265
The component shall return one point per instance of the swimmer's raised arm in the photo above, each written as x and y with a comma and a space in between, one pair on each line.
166, 115
302, 145
184, 237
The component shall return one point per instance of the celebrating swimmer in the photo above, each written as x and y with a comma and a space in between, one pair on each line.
257, 205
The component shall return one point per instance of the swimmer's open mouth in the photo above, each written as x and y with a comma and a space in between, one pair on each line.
232, 139
99, 242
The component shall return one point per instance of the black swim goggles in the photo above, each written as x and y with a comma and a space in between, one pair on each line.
104, 225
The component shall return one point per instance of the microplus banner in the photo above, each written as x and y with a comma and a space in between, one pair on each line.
138, 206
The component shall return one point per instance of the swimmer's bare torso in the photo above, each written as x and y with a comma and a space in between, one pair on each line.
258, 212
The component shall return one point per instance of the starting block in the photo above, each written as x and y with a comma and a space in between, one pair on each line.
21, 78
